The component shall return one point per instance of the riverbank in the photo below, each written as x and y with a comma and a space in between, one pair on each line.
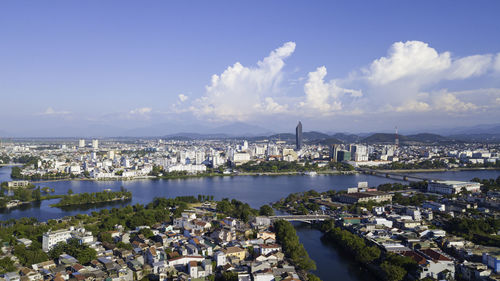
16, 203
332, 263
439, 170
212, 175
93, 198
90, 203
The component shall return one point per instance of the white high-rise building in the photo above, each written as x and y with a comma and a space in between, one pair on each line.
51, 238
95, 144
244, 147
359, 153
272, 150
199, 157
81, 143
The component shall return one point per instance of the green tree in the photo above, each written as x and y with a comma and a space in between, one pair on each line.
105, 237
266, 210
393, 272
146, 232
229, 276
293, 249
37, 195
312, 277
6, 265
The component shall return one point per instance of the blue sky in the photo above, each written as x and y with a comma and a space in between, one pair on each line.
337, 65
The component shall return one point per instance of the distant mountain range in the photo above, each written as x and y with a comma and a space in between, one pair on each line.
173, 130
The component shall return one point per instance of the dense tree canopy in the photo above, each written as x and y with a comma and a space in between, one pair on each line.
83, 253
293, 249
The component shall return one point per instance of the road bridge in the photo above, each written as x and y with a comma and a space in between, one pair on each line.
301, 218
394, 175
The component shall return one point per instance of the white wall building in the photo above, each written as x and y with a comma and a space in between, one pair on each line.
453, 187
95, 144
52, 238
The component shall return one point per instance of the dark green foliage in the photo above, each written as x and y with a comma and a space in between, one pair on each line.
480, 231
236, 209
427, 164
391, 187
4, 159
293, 249
125, 246
105, 237
299, 202
266, 210
405, 262
26, 159
488, 184
6, 265
312, 277
414, 200
352, 243
146, 232
92, 198
422, 185
341, 166
392, 272
81, 252
276, 166
228, 276
30, 255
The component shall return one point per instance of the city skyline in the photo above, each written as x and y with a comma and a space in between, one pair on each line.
80, 67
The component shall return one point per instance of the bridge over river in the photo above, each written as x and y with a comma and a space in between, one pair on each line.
11, 164
301, 218
395, 175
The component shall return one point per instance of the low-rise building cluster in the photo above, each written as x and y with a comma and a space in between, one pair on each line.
189, 248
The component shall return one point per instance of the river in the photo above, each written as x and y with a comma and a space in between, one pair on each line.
254, 190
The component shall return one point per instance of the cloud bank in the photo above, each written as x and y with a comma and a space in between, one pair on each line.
412, 77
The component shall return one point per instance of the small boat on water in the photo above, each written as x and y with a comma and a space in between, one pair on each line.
13, 203
310, 173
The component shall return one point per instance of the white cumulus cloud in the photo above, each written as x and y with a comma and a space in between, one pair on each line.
496, 66
50, 111
322, 96
446, 101
242, 92
411, 58
469, 66
141, 110
412, 77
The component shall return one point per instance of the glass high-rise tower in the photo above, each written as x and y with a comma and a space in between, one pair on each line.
298, 136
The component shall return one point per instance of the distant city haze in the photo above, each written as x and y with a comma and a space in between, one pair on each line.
123, 68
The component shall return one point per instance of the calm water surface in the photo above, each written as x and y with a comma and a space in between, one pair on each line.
255, 190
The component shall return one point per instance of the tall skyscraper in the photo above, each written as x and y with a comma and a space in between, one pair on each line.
334, 149
95, 144
81, 143
298, 136
396, 139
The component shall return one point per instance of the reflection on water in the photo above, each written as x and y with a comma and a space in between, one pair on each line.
332, 263
254, 190
22, 207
